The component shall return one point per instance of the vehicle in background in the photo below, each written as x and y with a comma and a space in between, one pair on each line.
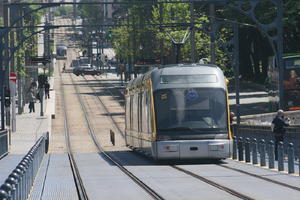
61, 52
84, 60
179, 112
74, 63
86, 69
291, 83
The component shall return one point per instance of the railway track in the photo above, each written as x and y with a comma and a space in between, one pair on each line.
138, 181
202, 178
81, 191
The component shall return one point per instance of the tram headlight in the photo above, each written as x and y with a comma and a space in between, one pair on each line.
216, 147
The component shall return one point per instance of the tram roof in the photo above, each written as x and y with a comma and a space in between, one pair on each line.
180, 69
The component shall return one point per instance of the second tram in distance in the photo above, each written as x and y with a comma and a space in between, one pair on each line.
179, 112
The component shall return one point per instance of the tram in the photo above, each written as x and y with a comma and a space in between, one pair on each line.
61, 52
291, 83
179, 112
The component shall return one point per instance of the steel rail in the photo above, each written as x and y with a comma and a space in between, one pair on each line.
149, 190
213, 183
262, 178
82, 194
254, 175
219, 186
115, 124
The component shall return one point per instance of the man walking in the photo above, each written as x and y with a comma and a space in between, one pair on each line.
31, 97
279, 129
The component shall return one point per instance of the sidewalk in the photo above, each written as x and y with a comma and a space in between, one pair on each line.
29, 128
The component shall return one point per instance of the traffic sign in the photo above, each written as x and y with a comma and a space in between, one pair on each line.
13, 77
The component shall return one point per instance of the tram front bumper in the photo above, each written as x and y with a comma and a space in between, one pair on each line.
189, 149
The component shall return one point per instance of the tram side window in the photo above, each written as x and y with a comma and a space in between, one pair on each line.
131, 112
141, 122
150, 124
144, 113
135, 113
165, 115
127, 118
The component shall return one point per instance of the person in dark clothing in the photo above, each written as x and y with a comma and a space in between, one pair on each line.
47, 88
31, 97
279, 129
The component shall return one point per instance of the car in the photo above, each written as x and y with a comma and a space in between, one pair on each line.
86, 69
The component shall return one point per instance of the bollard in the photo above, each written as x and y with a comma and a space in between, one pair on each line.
254, 154
280, 156
247, 150
112, 137
46, 142
3, 195
262, 153
234, 148
271, 155
240, 149
291, 157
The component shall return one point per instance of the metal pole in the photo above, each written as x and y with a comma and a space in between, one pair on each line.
237, 73
280, 51
6, 60
2, 75
212, 14
192, 33
41, 94
161, 20
177, 45
20, 86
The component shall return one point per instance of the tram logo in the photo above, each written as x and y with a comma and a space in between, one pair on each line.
191, 95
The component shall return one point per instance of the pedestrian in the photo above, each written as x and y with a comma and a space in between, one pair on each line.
279, 129
47, 88
31, 97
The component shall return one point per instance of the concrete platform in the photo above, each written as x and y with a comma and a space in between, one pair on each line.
29, 128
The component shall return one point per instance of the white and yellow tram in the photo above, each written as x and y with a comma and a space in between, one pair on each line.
179, 112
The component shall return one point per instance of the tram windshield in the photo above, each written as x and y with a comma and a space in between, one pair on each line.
292, 83
192, 111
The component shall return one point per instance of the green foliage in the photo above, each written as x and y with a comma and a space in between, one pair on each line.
291, 26
1, 21
65, 11
145, 41
29, 47
142, 41
90, 13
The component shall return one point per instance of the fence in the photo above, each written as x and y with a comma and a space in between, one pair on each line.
262, 152
255, 143
260, 132
3, 143
18, 184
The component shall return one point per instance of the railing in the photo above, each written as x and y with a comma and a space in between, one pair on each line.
18, 184
263, 153
3, 143
264, 132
